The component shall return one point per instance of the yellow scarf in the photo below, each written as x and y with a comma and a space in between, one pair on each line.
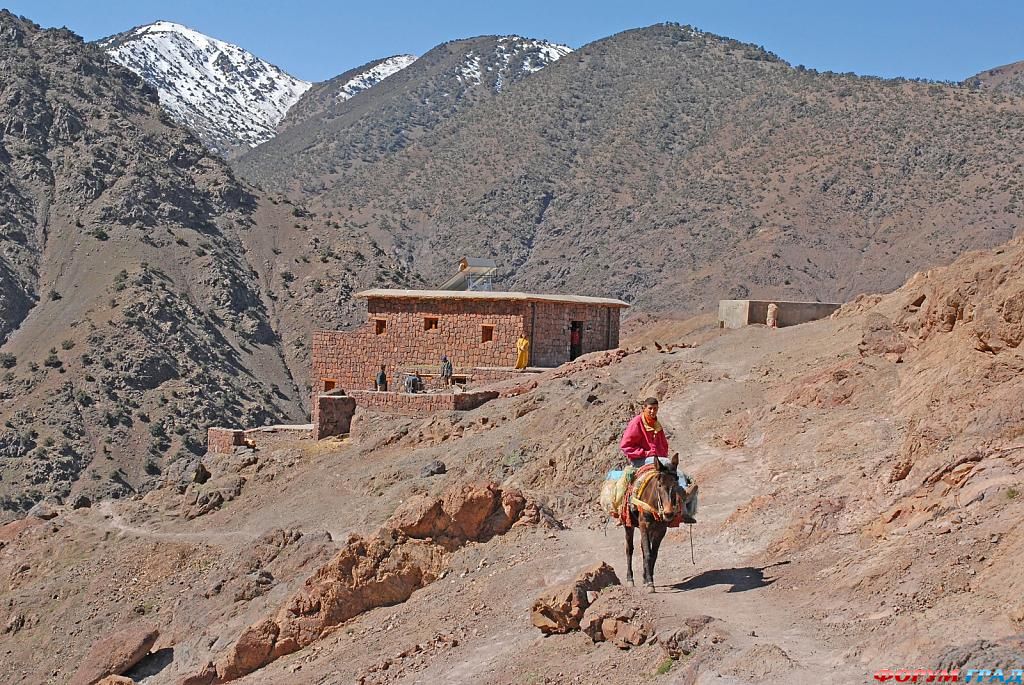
648, 427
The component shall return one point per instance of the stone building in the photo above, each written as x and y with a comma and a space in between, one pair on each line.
409, 329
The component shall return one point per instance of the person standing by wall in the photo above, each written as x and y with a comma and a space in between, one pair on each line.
523, 352
446, 371
773, 316
382, 379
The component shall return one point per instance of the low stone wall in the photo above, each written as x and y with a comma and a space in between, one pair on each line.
420, 404
223, 440
274, 437
739, 313
333, 415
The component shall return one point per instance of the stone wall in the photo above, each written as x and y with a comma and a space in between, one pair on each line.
551, 328
739, 313
407, 332
223, 440
351, 359
276, 437
421, 404
333, 415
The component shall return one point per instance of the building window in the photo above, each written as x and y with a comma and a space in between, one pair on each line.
430, 323
329, 385
380, 326
486, 333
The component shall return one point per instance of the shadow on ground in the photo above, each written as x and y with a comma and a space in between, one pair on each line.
741, 579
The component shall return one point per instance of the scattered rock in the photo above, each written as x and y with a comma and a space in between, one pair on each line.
81, 502
116, 653
44, 510
200, 474
683, 641
116, 680
434, 468
560, 609
207, 676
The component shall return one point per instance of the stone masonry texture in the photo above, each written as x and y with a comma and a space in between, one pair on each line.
416, 332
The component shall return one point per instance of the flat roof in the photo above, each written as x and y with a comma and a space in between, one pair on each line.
487, 295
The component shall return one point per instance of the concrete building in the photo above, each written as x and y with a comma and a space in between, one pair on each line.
739, 313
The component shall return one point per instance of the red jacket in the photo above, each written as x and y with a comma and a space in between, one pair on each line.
639, 443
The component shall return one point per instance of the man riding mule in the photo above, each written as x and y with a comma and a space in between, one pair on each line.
650, 494
644, 442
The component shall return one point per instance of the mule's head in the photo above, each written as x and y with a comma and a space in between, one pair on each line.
667, 496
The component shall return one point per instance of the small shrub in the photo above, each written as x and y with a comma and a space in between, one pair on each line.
99, 234
54, 295
1012, 493
53, 361
8, 360
67, 344
664, 667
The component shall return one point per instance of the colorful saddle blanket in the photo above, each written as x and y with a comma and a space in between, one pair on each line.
621, 488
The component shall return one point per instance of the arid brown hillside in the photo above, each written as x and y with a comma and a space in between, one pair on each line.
130, 318
672, 167
860, 483
1007, 79
324, 135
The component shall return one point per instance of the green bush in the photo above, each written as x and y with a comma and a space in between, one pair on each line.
8, 360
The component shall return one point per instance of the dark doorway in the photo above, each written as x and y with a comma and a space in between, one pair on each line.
575, 339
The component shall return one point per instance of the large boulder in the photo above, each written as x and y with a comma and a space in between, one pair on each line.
116, 653
464, 512
560, 609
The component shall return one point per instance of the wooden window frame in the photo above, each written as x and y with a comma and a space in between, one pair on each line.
431, 323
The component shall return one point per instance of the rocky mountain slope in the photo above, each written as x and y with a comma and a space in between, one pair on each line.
326, 133
130, 316
231, 99
322, 96
860, 504
669, 167
1007, 79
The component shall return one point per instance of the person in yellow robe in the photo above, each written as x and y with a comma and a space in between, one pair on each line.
523, 348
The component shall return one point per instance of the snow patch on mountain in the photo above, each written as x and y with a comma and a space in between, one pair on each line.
230, 98
514, 57
374, 75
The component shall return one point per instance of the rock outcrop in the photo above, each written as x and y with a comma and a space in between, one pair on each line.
116, 653
409, 552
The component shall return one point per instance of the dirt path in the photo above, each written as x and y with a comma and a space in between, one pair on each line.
112, 520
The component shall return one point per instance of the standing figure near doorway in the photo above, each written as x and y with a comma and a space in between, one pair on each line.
523, 352
575, 339
773, 316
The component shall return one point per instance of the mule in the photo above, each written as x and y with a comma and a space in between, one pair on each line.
662, 500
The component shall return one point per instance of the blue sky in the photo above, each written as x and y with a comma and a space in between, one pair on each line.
318, 39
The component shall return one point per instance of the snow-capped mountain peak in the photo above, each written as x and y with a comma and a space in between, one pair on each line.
230, 98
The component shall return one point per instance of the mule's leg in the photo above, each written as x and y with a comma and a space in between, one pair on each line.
629, 554
656, 534
645, 547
